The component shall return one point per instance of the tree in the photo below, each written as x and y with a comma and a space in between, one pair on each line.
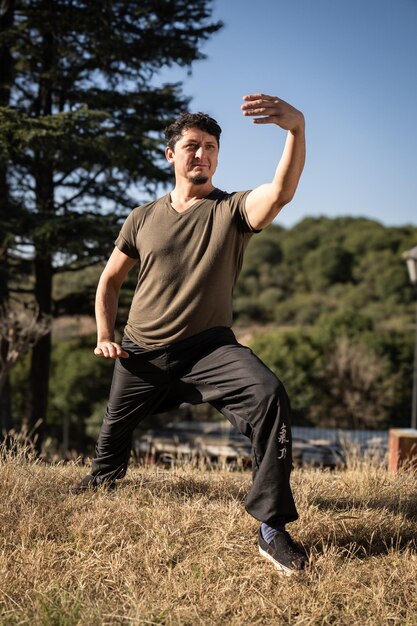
357, 391
326, 266
79, 386
82, 134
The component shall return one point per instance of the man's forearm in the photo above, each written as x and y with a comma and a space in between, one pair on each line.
265, 202
107, 298
290, 167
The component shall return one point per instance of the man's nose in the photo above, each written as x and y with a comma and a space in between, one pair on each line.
199, 153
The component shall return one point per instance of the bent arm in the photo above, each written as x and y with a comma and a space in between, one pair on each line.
265, 202
107, 298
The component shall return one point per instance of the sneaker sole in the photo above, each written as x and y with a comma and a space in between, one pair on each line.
281, 568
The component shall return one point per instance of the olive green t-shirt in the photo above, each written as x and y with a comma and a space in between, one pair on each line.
188, 265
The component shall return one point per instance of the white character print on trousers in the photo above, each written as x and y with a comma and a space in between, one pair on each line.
282, 439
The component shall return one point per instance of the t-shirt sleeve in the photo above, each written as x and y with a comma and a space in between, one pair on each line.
237, 202
126, 240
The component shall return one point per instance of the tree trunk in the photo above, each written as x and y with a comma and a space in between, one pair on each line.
41, 354
6, 77
5, 391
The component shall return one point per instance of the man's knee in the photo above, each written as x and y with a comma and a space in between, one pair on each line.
271, 389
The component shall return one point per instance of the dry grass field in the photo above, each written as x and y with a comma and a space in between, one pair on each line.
176, 547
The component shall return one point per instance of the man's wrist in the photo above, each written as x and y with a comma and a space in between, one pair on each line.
299, 128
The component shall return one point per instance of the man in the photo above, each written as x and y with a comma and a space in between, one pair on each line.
178, 346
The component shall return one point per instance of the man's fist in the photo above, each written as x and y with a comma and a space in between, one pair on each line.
110, 349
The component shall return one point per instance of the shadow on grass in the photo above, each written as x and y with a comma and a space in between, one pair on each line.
365, 527
360, 545
405, 506
189, 488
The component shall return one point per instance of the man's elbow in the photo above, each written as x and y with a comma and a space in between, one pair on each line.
271, 215
109, 283
285, 193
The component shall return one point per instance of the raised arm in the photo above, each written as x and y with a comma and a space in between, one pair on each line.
265, 202
107, 298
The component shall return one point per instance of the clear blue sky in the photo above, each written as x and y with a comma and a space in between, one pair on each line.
351, 67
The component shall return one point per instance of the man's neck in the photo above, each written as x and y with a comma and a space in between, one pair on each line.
183, 197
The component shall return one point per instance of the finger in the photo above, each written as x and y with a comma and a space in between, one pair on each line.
106, 350
259, 110
258, 96
274, 110
270, 102
270, 119
260, 102
262, 108
113, 350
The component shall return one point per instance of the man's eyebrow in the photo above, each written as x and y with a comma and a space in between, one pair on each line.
195, 142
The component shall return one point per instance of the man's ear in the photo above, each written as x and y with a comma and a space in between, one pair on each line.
169, 153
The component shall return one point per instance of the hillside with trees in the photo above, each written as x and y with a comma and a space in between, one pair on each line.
328, 307
338, 292
322, 265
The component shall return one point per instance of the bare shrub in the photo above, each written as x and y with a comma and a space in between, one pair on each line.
21, 327
357, 385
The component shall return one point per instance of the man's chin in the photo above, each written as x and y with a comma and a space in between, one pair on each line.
198, 180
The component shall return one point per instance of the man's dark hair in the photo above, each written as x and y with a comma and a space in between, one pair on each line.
202, 121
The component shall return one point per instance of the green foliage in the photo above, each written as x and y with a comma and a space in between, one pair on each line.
383, 275
294, 358
344, 322
341, 372
325, 266
322, 264
78, 391
302, 308
79, 383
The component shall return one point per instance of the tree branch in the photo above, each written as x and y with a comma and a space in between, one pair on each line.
81, 192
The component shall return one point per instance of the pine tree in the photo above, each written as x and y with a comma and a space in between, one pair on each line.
81, 131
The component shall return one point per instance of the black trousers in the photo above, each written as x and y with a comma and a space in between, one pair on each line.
209, 367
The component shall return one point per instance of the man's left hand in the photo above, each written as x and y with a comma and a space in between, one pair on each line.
271, 110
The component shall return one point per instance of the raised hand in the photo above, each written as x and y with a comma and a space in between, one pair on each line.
272, 110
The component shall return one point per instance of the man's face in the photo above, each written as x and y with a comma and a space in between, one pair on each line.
195, 156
